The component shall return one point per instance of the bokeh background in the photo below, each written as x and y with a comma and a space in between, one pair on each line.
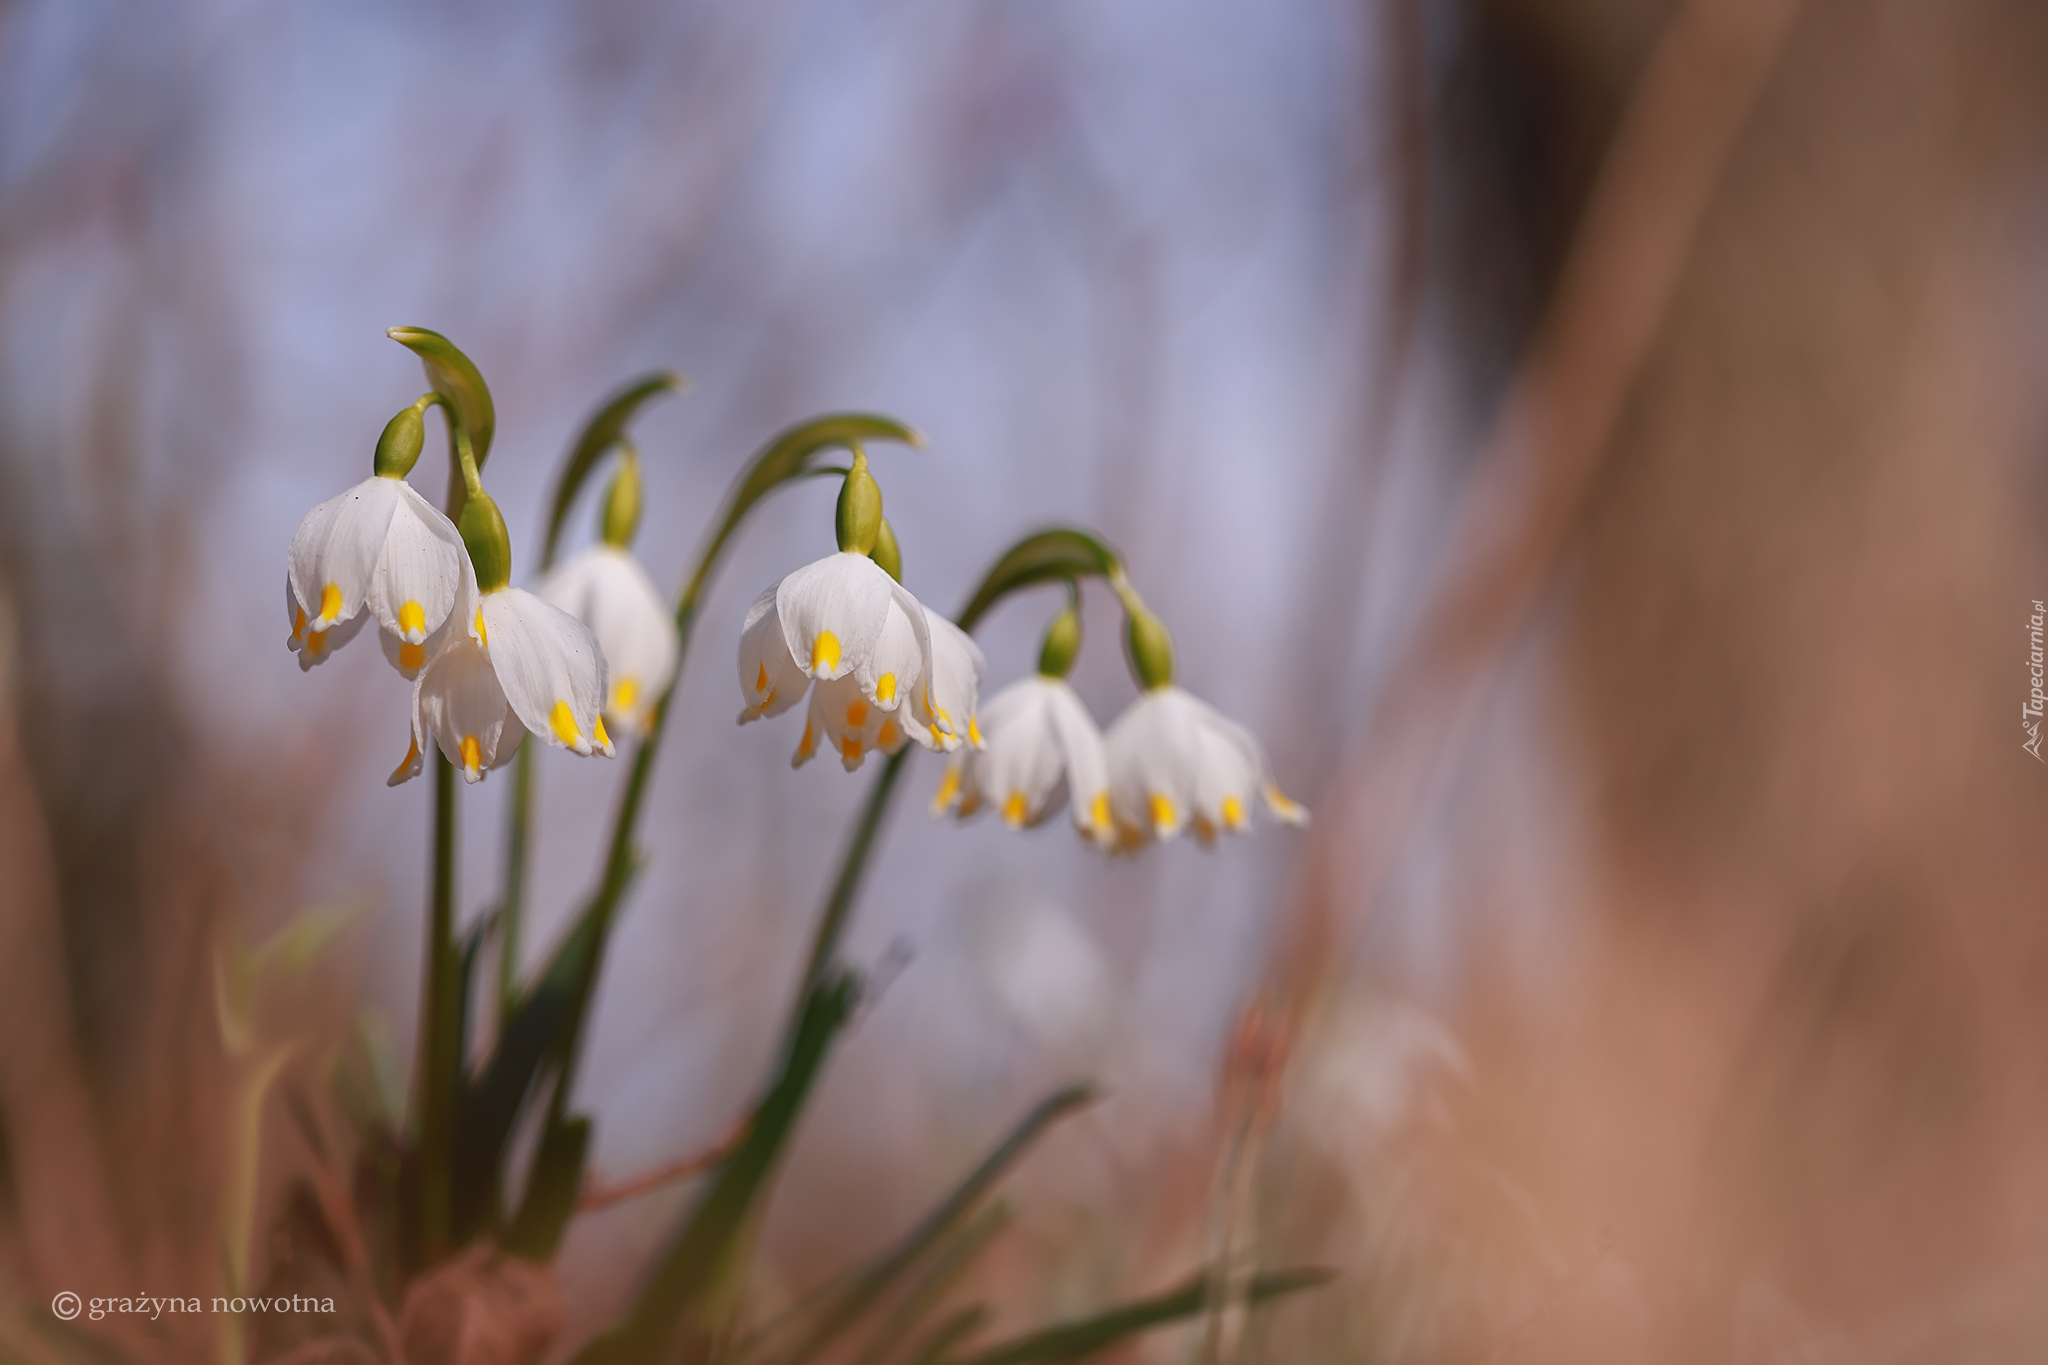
1596, 443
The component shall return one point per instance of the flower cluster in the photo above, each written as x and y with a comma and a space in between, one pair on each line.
1169, 762
488, 662
888, 670
596, 644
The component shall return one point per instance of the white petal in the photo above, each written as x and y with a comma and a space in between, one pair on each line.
334, 551
832, 612
313, 646
1228, 772
948, 705
409, 659
1087, 762
1153, 757
894, 669
419, 570
1021, 767
608, 590
770, 679
844, 722
459, 704
550, 668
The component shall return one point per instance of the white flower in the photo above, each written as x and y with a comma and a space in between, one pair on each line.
945, 708
520, 663
605, 588
838, 617
1174, 761
1042, 750
379, 545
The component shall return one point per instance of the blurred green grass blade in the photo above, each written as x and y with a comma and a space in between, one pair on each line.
604, 429
785, 456
1059, 554
679, 1311
455, 377
950, 1261
472, 1204
950, 1333
531, 1034
869, 1285
551, 1190
1077, 1340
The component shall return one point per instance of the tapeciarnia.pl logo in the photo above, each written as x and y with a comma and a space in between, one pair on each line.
2037, 700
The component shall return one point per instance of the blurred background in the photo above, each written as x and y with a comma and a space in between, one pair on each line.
1597, 444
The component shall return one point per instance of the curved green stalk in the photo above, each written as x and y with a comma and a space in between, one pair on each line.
681, 1310
439, 1077
542, 1027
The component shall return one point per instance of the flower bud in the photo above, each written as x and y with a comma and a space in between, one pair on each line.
398, 449
1150, 647
860, 507
622, 502
887, 553
1062, 643
490, 548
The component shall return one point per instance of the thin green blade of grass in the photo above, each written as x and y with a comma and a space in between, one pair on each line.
678, 1311
869, 1285
951, 1261
1076, 1340
950, 1333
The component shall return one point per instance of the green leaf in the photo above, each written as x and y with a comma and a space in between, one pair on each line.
492, 1103
950, 1333
604, 430
308, 934
950, 1262
869, 1285
551, 1191
454, 376
690, 1290
474, 1192
1076, 1340
1061, 554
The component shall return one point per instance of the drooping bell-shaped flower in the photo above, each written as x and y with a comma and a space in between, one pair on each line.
845, 623
1040, 751
606, 588
382, 546
518, 663
1175, 762
1036, 749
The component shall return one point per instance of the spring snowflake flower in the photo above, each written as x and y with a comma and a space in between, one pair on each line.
1042, 751
523, 664
605, 588
1176, 761
379, 545
840, 617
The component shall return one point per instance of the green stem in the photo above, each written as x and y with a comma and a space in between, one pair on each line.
512, 908
440, 1056
619, 863
838, 909
440, 1061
